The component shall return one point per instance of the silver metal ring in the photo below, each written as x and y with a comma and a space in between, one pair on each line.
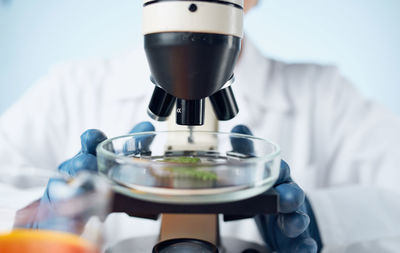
229, 82
155, 117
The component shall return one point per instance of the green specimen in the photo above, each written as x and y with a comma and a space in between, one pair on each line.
182, 159
191, 172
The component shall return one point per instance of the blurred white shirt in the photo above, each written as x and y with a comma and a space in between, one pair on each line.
343, 149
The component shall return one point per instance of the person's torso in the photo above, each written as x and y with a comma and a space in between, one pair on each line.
121, 101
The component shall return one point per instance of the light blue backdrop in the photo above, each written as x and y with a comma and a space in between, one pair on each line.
362, 37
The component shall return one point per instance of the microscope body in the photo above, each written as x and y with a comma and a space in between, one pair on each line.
192, 48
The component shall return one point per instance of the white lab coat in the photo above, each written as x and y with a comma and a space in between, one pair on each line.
343, 149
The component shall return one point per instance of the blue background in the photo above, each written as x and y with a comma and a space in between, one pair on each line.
362, 37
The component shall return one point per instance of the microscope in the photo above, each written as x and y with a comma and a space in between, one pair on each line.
192, 48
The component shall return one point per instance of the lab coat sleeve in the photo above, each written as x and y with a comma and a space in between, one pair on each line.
32, 136
358, 143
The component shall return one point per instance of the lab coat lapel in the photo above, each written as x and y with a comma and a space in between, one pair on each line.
264, 99
127, 90
257, 80
260, 93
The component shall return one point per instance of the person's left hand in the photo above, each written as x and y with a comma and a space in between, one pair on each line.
294, 228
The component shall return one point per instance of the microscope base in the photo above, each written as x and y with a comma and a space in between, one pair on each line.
146, 243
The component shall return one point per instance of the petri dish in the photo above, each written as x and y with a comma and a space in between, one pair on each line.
189, 166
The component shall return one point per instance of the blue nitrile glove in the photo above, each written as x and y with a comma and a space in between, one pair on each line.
58, 189
86, 158
294, 228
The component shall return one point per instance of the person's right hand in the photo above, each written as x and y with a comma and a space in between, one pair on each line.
58, 189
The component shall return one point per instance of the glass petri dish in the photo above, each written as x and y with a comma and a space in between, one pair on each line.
189, 166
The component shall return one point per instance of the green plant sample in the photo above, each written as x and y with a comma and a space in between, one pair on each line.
191, 172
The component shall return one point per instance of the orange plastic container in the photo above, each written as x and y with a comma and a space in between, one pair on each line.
40, 241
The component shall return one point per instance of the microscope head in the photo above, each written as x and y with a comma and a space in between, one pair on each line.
192, 48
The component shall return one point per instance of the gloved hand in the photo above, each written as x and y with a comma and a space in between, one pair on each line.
58, 189
294, 228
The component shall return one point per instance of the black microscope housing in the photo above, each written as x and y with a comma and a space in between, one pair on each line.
189, 66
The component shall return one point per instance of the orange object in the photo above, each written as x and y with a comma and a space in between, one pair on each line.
41, 241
